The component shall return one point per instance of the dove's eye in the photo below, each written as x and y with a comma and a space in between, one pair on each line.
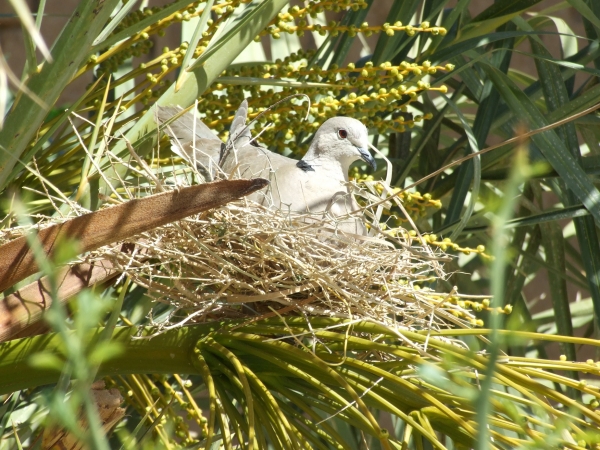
343, 134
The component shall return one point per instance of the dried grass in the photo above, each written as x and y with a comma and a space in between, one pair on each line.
245, 261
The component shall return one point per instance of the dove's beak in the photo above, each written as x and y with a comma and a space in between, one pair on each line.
364, 154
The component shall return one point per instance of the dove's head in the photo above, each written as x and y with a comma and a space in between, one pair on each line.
343, 139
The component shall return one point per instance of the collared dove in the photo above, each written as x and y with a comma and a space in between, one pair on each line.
317, 184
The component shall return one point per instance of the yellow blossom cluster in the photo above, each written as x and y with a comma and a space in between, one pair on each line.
416, 204
370, 93
295, 22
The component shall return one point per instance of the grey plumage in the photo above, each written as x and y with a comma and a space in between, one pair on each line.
202, 148
239, 133
316, 183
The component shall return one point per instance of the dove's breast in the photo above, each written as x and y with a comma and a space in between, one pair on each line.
293, 189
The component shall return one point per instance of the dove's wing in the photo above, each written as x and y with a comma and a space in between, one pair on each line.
250, 161
202, 148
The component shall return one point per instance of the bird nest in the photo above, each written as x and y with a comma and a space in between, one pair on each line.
246, 261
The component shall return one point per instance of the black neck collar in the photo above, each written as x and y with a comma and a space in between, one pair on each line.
305, 166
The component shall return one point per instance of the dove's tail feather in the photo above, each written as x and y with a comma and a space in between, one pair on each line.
239, 134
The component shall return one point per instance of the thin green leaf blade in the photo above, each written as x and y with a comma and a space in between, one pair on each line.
505, 7
556, 95
194, 41
22, 10
548, 142
585, 11
474, 173
71, 49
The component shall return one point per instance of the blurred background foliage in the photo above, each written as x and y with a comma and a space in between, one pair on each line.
434, 80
